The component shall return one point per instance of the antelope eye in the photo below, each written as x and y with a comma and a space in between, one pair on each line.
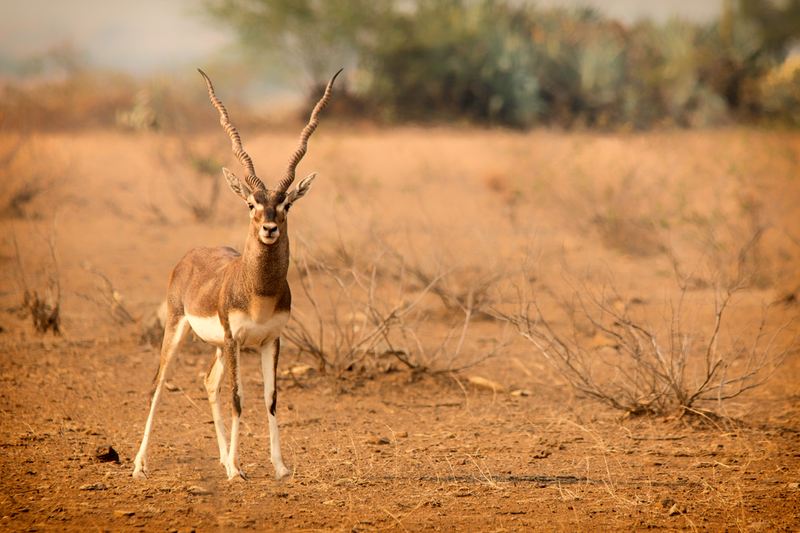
286, 207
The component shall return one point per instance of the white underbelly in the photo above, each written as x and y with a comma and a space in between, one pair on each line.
243, 328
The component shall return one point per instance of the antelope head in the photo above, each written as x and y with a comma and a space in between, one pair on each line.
268, 207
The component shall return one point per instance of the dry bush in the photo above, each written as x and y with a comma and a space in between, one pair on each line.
108, 297
606, 349
42, 305
344, 322
27, 174
351, 318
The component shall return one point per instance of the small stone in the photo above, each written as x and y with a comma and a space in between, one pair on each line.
298, 370
329, 502
94, 486
171, 387
793, 486
540, 454
197, 490
520, 392
121, 513
107, 454
675, 510
483, 383
379, 440
401, 434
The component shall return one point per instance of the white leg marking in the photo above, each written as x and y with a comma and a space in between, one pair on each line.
212, 382
168, 349
268, 354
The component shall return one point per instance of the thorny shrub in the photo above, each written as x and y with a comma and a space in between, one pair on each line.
606, 348
348, 319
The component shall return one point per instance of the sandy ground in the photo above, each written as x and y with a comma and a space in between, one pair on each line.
379, 447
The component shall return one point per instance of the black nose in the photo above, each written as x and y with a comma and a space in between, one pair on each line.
271, 229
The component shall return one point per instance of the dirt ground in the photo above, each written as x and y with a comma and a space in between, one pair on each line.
378, 447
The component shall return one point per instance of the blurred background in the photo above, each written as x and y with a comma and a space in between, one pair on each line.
568, 63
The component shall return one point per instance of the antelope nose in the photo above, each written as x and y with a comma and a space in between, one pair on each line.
271, 229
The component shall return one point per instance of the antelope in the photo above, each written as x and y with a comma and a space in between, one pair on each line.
232, 300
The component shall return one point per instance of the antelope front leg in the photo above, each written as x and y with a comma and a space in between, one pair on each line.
269, 367
173, 335
231, 352
212, 381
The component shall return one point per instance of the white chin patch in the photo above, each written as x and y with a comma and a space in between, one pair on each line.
262, 236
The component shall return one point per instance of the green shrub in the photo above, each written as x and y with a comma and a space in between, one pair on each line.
451, 59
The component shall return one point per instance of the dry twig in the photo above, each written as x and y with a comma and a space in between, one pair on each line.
107, 296
45, 311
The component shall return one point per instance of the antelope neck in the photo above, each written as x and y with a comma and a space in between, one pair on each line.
266, 266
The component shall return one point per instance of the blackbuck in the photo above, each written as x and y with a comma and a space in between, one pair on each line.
232, 300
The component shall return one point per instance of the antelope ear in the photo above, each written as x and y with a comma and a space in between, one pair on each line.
302, 188
236, 186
